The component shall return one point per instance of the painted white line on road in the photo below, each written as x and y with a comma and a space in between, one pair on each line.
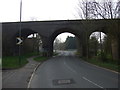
92, 82
33, 75
30, 80
70, 68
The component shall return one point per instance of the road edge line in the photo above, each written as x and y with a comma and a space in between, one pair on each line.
32, 75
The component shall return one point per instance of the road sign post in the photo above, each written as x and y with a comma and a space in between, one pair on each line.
19, 41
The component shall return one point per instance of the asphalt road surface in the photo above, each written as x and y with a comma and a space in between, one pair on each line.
68, 71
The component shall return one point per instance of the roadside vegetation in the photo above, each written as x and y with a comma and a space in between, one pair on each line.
112, 65
100, 52
100, 48
12, 62
40, 58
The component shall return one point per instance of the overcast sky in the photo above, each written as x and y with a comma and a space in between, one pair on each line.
39, 10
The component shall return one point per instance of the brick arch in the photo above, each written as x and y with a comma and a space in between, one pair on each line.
100, 29
63, 30
48, 29
72, 31
25, 32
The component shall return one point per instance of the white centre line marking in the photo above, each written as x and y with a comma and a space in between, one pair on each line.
70, 68
92, 82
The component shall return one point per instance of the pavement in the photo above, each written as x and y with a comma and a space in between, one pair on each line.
19, 78
71, 72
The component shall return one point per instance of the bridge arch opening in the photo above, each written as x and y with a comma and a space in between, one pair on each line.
32, 42
99, 46
65, 44
65, 40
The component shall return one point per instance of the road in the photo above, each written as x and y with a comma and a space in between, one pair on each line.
68, 71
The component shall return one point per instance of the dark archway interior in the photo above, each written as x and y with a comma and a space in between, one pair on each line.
28, 43
25, 33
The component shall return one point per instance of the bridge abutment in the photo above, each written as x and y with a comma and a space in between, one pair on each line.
115, 44
47, 47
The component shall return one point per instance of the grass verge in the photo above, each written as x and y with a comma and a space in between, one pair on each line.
112, 65
12, 62
41, 58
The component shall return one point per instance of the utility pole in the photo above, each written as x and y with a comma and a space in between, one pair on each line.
87, 41
20, 32
101, 46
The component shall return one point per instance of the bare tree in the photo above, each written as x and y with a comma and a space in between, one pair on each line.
99, 10
93, 9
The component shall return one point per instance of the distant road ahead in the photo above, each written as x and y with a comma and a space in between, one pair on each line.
67, 71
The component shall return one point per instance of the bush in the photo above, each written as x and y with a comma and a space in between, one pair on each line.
102, 56
109, 57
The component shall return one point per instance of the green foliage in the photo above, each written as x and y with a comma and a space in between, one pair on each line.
12, 62
102, 56
70, 43
107, 45
40, 58
102, 50
109, 57
113, 65
31, 54
93, 46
